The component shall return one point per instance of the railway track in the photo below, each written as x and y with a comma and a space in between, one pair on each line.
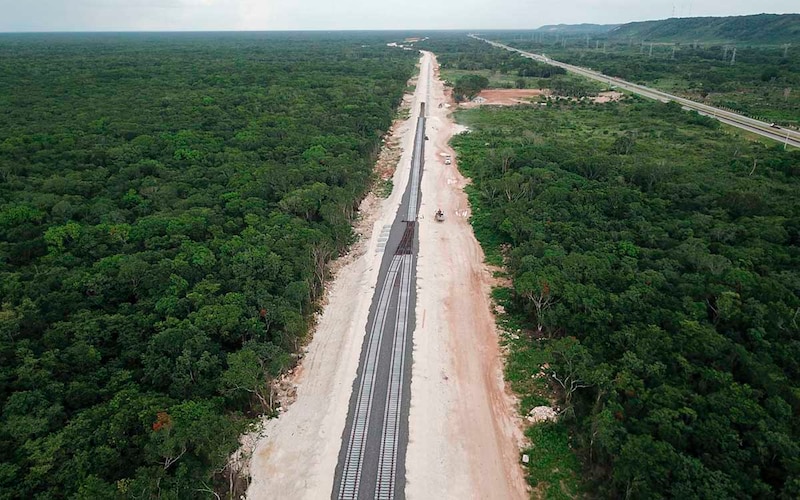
387, 465
385, 371
353, 466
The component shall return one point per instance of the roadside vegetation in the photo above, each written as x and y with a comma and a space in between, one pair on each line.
168, 203
655, 268
685, 57
469, 66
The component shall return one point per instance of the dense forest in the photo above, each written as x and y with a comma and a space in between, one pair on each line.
655, 260
761, 81
168, 203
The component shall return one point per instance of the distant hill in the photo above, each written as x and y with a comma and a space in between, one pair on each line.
578, 29
760, 28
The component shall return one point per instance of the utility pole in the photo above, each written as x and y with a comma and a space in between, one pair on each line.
651, 50
786, 49
673, 51
733, 57
725, 53
596, 44
604, 47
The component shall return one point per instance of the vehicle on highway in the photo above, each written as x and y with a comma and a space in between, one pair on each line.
448, 160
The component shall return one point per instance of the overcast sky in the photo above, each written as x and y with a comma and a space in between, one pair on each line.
126, 15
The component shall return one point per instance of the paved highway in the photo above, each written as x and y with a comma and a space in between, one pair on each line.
786, 136
372, 457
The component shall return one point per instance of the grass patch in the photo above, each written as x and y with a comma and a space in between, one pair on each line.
384, 188
553, 468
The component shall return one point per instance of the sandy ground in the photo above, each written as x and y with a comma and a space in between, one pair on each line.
514, 97
504, 97
609, 96
464, 435
295, 456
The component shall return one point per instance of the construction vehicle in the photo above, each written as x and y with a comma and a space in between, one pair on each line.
448, 160
439, 216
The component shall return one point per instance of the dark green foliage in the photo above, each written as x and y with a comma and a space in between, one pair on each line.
656, 262
168, 203
469, 86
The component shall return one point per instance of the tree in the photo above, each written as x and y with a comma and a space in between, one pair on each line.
537, 290
247, 373
570, 366
467, 87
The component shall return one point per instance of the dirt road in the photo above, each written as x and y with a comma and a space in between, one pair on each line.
463, 436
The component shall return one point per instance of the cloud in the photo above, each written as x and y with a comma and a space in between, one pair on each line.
110, 15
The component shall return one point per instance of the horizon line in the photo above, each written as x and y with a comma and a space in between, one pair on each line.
334, 30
